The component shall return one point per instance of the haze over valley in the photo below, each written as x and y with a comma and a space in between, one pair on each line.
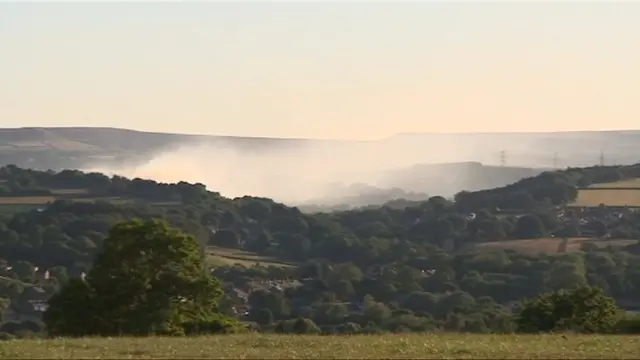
318, 172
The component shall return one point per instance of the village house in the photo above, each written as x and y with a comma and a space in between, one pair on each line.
41, 276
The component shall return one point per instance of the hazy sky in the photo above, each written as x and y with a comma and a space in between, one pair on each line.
332, 70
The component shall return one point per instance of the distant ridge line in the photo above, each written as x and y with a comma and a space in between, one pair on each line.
401, 134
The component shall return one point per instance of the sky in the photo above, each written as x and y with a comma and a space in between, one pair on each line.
321, 70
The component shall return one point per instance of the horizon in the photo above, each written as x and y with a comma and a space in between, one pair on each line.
321, 139
278, 71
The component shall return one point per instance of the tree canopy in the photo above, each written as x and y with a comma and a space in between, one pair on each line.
582, 309
149, 279
447, 264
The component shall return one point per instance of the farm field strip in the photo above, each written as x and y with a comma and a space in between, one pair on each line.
9, 200
609, 197
69, 191
75, 195
629, 183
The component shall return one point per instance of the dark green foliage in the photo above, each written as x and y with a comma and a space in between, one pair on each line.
411, 267
298, 326
6, 336
529, 227
583, 309
262, 316
149, 279
628, 325
24, 329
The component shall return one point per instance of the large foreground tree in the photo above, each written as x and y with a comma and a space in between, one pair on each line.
149, 279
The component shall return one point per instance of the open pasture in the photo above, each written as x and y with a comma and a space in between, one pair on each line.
25, 203
609, 197
628, 183
67, 192
389, 346
218, 256
19, 200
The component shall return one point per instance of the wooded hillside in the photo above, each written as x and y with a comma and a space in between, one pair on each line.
413, 267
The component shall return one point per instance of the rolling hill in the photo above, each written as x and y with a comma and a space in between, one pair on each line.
417, 264
434, 164
528, 150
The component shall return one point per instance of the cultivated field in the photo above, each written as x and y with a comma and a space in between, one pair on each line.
14, 204
218, 256
254, 346
608, 196
629, 183
550, 245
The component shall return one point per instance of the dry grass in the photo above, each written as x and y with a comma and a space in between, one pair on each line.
261, 346
551, 245
19, 200
609, 197
218, 256
629, 183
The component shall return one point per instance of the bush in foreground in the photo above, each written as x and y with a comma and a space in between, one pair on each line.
583, 309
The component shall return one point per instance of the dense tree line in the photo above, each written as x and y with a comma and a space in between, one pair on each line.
392, 268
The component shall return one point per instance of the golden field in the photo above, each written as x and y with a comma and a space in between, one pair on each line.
629, 183
610, 197
255, 346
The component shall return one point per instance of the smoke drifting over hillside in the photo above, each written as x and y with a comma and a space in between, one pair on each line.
304, 171
293, 175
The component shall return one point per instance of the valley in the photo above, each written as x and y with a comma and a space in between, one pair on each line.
406, 266
404, 166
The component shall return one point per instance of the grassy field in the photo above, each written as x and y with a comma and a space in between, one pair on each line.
14, 204
550, 245
69, 191
609, 197
14, 208
629, 183
619, 193
23, 200
218, 256
254, 346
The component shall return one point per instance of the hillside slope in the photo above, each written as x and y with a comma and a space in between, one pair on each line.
529, 150
125, 152
418, 267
